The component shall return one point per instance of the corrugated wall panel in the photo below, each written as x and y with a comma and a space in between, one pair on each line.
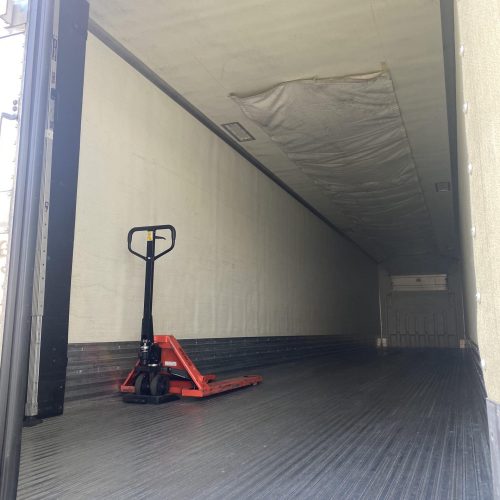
97, 369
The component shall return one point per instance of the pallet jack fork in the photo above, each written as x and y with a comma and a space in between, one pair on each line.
163, 371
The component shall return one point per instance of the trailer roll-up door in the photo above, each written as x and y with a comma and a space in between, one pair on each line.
347, 136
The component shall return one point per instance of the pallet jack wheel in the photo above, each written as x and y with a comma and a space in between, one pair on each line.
142, 384
159, 385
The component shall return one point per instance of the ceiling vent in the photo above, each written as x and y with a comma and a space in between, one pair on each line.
238, 131
442, 187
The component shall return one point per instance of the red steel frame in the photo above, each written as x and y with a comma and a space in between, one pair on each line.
200, 386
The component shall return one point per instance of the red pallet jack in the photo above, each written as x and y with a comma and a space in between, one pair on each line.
163, 371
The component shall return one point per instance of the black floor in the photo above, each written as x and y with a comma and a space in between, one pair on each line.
404, 425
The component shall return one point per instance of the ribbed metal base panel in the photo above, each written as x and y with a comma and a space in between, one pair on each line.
408, 424
98, 369
493, 411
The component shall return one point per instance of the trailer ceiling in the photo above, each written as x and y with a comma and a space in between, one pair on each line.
211, 49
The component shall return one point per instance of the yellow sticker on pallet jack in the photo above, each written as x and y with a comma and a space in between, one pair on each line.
150, 236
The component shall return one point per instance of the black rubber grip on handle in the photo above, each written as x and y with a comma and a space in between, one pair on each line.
154, 229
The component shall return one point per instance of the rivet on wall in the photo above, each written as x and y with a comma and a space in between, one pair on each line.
469, 168
465, 107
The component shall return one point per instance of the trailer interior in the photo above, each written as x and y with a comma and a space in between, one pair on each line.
321, 182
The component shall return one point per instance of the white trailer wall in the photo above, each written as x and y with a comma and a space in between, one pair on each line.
249, 259
477, 36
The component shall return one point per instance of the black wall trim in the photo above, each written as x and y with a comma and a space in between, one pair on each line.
120, 50
73, 17
493, 410
97, 369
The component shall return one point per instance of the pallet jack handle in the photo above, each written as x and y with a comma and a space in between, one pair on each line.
151, 237
147, 330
